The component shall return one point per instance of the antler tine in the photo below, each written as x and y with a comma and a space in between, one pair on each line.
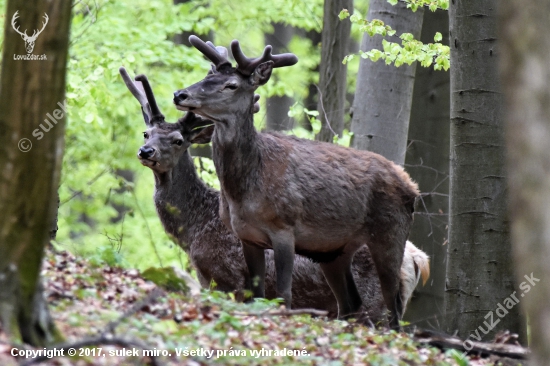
138, 92
221, 50
150, 97
247, 65
132, 87
210, 51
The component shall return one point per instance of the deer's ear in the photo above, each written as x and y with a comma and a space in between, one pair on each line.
202, 135
262, 73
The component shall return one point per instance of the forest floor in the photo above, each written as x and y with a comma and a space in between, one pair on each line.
116, 311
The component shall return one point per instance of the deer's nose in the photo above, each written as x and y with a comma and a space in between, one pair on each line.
180, 95
146, 152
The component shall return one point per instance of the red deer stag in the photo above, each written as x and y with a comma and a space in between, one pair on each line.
298, 196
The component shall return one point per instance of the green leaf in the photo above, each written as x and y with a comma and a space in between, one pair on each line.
438, 37
406, 36
89, 118
344, 14
166, 278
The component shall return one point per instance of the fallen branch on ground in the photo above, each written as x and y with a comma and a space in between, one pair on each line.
291, 312
444, 341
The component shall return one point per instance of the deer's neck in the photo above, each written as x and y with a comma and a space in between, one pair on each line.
236, 154
184, 203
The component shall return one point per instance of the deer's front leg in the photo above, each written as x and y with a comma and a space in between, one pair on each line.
283, 250
255, 261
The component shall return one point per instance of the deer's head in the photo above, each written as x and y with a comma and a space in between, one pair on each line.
228, 90
165, 143
29, 40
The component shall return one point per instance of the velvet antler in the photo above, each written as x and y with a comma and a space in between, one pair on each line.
136, 88
246, 66
156, 114
218, 55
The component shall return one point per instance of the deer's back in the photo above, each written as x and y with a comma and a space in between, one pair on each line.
326, 194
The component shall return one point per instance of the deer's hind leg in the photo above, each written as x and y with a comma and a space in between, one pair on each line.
340, 279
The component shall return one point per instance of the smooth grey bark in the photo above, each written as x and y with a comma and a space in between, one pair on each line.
332, 72
427, 162
310, 102
277, 106
479, 264
383, 97
29, 90
526, 78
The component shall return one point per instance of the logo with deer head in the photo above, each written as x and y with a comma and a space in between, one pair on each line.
29, 40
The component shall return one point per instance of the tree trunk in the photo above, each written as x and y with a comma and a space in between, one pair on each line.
310, 102
479, 267
526, 77
277, 106
32, 93
428, 164
383, 97
332, 72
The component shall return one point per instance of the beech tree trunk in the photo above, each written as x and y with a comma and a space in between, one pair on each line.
526, 78
277, 106
479, 267
427, 162
383, 97
332, 72
30, 90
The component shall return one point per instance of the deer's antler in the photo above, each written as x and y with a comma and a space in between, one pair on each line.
138, 91
218, 55
156, 114
246, 66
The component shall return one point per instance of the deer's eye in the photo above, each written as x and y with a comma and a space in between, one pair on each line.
145, 135
178, 142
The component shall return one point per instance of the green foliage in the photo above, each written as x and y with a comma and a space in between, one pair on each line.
207, 171
298, 109
410, 49
108, 255
166, 278
458, 357
433, 5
